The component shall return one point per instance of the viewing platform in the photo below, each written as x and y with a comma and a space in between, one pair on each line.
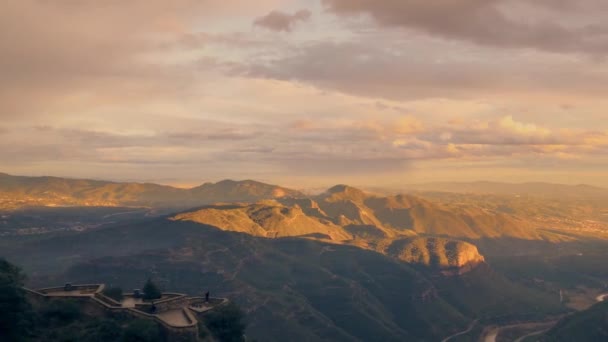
177, 313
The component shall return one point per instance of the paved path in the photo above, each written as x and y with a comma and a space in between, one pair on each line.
471, 326
129, 302
176, 318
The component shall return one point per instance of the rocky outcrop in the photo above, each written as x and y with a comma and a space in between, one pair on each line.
439, 253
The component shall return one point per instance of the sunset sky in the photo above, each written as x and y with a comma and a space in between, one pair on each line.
305, 93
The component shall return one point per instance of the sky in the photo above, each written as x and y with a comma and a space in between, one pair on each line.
305, 93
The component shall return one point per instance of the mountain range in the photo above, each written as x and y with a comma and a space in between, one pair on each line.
19, 191
539, 189
408, 227
342, 265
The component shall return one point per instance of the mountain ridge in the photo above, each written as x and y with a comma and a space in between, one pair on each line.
543, 189
19, 191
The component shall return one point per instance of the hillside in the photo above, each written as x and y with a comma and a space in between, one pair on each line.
344, 213
407, 213
266, 219
589, 325
297, 289
341, 208
273, 220
18, 191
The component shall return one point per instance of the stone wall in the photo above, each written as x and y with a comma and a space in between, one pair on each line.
98, 305
89, 288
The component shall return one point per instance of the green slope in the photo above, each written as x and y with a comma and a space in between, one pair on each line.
589, 325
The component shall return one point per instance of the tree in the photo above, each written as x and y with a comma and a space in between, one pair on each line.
151, 291
14, 306
62, 311
226, 323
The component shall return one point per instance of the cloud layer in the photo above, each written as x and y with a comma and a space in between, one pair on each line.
279, 21
314, 92
574, 26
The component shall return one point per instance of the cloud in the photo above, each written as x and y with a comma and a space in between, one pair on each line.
65, 53
377, 67
561, 26
343, 167
334, 148
279, 21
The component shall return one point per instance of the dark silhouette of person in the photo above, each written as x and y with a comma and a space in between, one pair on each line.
207, 296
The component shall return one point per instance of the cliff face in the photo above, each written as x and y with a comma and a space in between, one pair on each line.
436, 252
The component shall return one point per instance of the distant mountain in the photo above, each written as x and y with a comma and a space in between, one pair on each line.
530, 189
266, 219
339, 214
348, 215
407, 214
400, 226
273, 220
18, 191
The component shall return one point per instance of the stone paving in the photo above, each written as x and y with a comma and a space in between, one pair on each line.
175, 318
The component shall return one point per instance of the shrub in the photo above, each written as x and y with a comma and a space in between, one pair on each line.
103, 330
226, 323
13, 304
62, 310
151, 291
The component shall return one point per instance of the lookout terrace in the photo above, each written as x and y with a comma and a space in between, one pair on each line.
178, 314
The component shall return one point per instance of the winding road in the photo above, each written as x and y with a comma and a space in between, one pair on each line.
531, 334
471, 326
493, 333
491, 336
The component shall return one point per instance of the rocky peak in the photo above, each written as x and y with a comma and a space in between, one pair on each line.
440, 253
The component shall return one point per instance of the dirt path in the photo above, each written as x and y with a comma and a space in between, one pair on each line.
176, 318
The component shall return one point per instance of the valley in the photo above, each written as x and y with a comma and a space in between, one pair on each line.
344, 264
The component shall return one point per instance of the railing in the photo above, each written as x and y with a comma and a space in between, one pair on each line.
213, 304
91, 288
106, 300
95, 294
